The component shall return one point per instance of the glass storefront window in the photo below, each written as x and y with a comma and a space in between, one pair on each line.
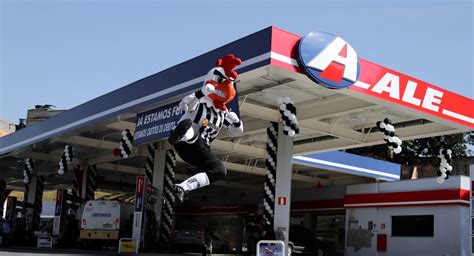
227, 228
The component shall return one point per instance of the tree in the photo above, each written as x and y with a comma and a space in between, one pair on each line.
421, 152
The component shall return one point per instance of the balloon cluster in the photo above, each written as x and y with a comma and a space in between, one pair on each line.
126, 144
28, 170
66, 159
150, 160
288, 114
270, 176
445, 167
393, 141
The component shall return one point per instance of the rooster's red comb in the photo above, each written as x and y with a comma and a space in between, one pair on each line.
228, 63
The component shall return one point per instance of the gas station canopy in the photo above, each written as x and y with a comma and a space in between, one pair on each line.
330, 120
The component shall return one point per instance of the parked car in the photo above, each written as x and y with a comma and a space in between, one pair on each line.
218, 244
302, 241
191, 239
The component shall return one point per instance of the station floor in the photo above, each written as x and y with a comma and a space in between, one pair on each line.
17, 250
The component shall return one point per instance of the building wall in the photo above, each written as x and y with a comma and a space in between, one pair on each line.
6, 128
451, 222
222, 197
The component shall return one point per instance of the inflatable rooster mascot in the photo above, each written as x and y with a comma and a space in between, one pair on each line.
205, 113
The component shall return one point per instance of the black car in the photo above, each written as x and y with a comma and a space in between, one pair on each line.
191, 239
302, 241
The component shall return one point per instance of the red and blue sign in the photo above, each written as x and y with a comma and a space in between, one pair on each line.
328, 60
139, 193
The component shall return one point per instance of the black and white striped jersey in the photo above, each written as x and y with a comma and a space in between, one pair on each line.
208, 121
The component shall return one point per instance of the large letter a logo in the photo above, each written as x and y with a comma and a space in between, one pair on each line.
328, 60
337, 61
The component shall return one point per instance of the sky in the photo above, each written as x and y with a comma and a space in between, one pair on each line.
67, 52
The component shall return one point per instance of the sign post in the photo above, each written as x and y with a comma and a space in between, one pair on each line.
58, 211
138, 215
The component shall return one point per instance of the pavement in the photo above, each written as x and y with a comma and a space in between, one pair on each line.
20, 250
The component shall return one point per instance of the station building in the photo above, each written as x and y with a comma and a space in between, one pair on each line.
355, 204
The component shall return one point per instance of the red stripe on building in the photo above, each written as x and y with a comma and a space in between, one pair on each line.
413, 198
285, 43
299, 206
396, 199
407, 205
318, 205
217, 210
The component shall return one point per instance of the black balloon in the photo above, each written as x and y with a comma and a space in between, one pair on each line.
291, 108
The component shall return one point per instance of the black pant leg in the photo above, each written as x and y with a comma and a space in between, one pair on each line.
201, 156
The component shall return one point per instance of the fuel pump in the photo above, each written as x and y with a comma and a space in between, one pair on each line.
65, 224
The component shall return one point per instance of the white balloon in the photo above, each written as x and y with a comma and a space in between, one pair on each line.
60, 171
386, 137
124, 133
286, 128
440, 180
282, 107
287, 100
449, 168
291, 133
444, 175
441, 151
397, 150
25, 180
449, 151
293, 117
286, 113
389, 128
397, 140
390, 139
280, 100
390, 147
383, 125
442, 169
